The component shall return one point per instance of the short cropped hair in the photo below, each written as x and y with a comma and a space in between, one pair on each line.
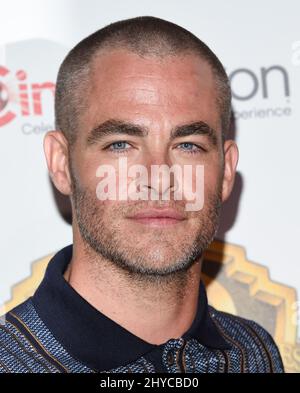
145, 36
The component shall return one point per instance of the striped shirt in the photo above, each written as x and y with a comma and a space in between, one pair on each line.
57, 331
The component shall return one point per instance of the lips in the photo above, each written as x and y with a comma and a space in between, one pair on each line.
158, 217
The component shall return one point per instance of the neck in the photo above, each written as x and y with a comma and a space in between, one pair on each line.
154, 309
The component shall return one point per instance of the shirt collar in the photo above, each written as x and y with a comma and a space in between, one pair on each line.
90, 336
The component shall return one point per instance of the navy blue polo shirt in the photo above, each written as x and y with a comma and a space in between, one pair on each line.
59, 331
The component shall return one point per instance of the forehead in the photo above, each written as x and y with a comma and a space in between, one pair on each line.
150, 90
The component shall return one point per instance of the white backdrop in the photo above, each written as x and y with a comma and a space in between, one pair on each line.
248, 37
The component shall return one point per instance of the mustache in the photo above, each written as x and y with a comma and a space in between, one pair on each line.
83, 195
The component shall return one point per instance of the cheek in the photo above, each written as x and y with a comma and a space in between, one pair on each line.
213, 174
84, 170
93, 173
114, 185
204, 177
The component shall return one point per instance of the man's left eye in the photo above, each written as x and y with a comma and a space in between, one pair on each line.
190, 147
120, 145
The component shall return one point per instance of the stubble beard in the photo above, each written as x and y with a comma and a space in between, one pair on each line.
106, 239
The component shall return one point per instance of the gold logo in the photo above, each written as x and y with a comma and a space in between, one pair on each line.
234, 285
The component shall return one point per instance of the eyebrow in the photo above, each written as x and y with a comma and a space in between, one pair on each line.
196, 128
119, 127
114, 127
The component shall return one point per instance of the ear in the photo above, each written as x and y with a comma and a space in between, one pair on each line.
231, 156
56, 152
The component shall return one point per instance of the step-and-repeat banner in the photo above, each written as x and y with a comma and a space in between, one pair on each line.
253, 267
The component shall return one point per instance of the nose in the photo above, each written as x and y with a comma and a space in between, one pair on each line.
161, 178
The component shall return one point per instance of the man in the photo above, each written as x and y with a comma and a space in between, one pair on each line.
127, 296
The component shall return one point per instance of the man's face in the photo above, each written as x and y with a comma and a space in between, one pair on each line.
158, 95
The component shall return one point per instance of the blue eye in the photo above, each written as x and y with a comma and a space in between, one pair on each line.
190, 147
187, 145
118, 146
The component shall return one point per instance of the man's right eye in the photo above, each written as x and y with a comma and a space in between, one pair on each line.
118, 146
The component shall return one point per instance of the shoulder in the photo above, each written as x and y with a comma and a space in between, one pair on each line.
259, 347
18, 353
